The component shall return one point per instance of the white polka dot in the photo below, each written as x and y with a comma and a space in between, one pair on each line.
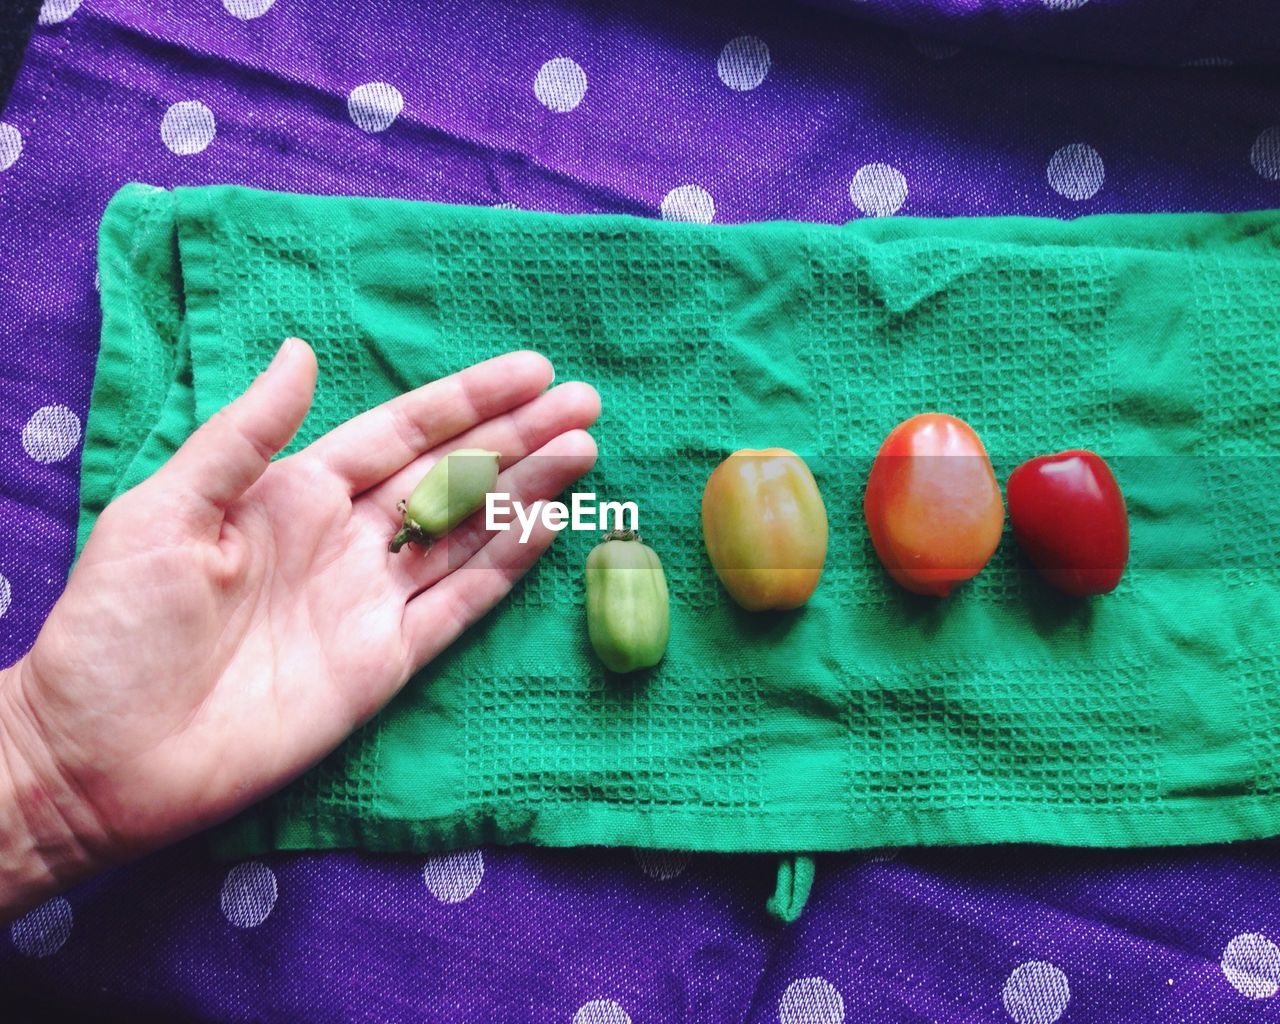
1251, 963
811, 1001
187, 127
934, 49
601, 1011
6, 594
1063, 5
1076, 171
1265, 154
249, 894
1036, 993
878, 190
743, 63
374, 105
51, 433
247, 9
560, 84
663, 865
44, 930
452, 877
10, 145
54, 11
691, 203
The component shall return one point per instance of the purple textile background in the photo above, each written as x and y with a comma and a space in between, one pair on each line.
823, 112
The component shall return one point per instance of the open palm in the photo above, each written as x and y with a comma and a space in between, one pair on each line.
233, 618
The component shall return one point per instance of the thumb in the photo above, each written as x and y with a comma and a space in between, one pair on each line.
227, 454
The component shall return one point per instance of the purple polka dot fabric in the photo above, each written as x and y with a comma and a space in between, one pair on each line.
725, 112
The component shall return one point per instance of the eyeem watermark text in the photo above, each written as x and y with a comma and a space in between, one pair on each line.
582, 513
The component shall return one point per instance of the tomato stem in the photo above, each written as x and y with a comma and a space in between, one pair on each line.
410, 532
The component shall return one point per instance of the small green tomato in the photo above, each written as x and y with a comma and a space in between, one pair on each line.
627, 615
453, 488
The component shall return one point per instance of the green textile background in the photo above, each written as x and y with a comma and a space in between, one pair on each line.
871, 717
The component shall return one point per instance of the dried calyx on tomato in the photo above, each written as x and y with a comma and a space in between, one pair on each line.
765, 528
1070, 518
628, 620
932, 504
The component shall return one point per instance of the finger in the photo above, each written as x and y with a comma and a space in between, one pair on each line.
539, 477
232, 449
437, 617
367, 449
572, 406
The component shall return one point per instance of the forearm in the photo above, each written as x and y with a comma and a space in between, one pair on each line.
40, 852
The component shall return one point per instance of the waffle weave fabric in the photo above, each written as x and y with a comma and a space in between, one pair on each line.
871, 718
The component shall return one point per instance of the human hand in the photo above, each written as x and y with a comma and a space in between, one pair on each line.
231, 619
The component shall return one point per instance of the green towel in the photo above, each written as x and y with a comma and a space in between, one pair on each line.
871, 717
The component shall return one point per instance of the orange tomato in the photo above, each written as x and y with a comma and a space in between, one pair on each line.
933, 506
765, 528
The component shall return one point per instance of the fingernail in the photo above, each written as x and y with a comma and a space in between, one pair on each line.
282, 352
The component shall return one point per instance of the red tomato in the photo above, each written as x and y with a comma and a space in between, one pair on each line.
932, 504
1069, 516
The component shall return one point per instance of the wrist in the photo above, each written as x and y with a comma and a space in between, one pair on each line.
41, 845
